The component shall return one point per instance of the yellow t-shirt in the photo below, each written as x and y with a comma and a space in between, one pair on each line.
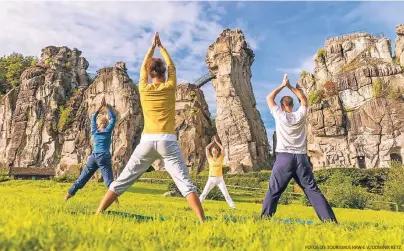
158, 99
215, 166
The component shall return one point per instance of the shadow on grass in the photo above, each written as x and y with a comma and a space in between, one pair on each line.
137, 217
123, 215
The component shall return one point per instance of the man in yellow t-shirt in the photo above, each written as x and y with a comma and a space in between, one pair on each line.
215, 161
159, 139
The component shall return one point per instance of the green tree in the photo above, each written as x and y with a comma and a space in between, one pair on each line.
11, 68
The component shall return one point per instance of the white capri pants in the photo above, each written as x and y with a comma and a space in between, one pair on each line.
219, 182
144, 155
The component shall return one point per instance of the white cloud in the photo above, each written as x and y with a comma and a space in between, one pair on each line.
107, 32
306, 64
388, 13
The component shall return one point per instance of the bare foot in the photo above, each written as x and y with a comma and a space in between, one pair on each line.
68, 196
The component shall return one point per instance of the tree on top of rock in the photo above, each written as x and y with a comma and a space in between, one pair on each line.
11, 67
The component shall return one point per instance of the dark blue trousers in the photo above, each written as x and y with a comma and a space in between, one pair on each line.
95, 161
296, 166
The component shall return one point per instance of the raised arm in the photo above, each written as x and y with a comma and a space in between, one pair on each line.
112, 120
207, 148
143, 80
300, 95
94, 122
271, 97
220, 146
172, 73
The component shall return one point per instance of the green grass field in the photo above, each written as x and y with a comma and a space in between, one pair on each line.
33, 216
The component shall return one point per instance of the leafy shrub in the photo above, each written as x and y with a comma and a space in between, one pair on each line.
66, 178
64, 118
315, 97
371, 179
394, 189
40, 124
304, 74
378, 202
3, 173
377, 88
11, 68
348, 109
34, 61
342, 193
48, 61
321, 53
285, 199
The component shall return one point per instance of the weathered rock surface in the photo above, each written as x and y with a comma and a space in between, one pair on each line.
117, 88
193, 126
43, 89
45, 125
399, 51
238, 121
7, 107
360, 123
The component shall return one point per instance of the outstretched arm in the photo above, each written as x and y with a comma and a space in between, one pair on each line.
272, 95
300, 95
172, 73
207, 152
112, 120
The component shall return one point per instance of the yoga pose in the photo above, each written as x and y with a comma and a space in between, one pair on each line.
215, 172
101, 131
158, 138
291, 159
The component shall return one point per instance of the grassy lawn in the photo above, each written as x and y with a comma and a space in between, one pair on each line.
33, 216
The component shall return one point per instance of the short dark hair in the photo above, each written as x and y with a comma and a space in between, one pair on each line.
156, 67
287, 101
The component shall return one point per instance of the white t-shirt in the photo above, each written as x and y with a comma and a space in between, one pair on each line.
290, 130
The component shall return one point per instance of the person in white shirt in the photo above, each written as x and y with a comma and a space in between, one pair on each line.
291, 159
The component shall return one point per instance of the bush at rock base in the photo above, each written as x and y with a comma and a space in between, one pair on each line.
370, 179
394, 189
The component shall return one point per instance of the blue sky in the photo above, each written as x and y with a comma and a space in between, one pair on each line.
284, 35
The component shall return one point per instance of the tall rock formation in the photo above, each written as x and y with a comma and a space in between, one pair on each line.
399, 51
113, 84
356, 116
193, 126
238, 122
45, 123
7, 107
43, 90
